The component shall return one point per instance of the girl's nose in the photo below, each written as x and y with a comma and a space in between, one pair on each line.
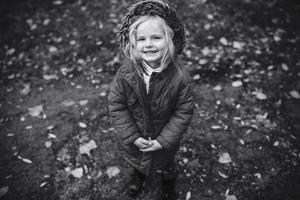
148, 43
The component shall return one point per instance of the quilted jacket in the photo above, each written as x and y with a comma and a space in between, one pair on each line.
163, 114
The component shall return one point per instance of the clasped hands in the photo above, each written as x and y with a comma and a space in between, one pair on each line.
147, 145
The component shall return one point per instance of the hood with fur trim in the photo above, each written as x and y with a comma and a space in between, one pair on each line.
153, 8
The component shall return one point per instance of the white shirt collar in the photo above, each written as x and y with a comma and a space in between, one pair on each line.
149, 70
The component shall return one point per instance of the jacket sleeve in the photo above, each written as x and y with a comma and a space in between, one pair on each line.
172, 132
124, 124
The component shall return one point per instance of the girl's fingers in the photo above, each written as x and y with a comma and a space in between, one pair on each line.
151, 148
144, 146
146, 149
147, 143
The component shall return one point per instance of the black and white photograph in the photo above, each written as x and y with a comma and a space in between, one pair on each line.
149, 100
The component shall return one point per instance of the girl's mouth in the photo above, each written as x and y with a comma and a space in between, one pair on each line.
150, 52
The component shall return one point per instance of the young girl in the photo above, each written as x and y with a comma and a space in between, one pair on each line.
150, 98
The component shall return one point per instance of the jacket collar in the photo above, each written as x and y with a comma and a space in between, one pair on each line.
129, 73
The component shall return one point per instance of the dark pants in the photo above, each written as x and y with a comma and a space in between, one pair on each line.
168, 175
169, 172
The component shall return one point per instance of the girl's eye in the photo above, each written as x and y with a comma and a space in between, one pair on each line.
140, 39
156, 37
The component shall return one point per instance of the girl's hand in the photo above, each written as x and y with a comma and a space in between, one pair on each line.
142, 143
155, 146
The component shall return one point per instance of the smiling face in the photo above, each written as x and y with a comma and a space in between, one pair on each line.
151, 43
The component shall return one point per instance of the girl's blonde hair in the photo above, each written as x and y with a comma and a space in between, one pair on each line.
130, 48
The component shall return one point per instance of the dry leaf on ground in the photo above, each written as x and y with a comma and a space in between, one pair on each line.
77, 173
35, 111
3, 191
87, 147
112, 171
225, 158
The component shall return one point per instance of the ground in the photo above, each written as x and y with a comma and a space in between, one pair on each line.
58, 58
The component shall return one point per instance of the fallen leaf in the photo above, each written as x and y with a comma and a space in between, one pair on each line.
217, 88
68, 102
271, 67
43, 184
33, 27
12, 76
242, 141
276, 38
26, 89
50, 127
238, 45
112, 171
97, 174
261, 96
196, 77
203, 61
25, 160
205, 51
10, 134
237, 84
225, 158
258, 175
210, 16
231, 197
57, 39
188, 195
103, 94
295, 94
223, 175
28, 127
81, 61
83, 102
68, 169
87, 147
50, 135
276, 144
185, 160
216, 127
223, 41
73, 42
82, 125
111, 129
53, 49
188, 53
3, 191
207, 26
48, 144
184, 149
65, 70
98, 43
50, 77
284, 67
77, 173
57, 2
46, 22
35, 111
11, 51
